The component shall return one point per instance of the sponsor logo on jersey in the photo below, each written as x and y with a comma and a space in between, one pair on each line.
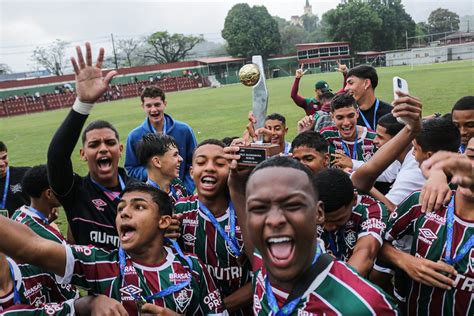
471, 260
99, 204
427, 236
393, 215
189, 238
179, 277
15, 188
190, 222
464, 283
213, 300
257, 307
305, 313
228, 273
435, 218
33, 290
350, 238
227, 229
129, 270
103, 238
367, 155
373, 223
128, 292
182, 299
52, 308
83, 249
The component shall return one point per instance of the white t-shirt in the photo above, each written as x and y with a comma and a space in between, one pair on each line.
409, 179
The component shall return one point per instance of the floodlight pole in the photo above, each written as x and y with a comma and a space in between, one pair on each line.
115, 54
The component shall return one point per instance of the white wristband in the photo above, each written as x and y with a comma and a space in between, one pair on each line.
81, 107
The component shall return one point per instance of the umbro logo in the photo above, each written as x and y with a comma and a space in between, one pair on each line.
427, 233
131, 290
99, 204
427, 236
189, 238
16, 188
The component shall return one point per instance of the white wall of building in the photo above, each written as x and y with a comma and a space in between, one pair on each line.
430, 55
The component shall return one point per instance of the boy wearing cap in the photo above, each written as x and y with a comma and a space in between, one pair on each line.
310, 105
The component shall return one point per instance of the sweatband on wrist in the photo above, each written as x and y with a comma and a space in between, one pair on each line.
81, 107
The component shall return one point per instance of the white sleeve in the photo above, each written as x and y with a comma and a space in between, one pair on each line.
356, 164
408, 180
69, 269
390, 174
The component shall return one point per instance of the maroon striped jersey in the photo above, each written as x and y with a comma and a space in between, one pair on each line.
338, 290
199, 236
369, 218
429, 241
98, 271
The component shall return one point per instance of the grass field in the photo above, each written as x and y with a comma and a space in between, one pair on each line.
223, 112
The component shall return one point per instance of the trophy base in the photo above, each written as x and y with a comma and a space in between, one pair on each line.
255, 153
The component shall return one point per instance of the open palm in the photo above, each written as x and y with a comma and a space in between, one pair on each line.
90, 85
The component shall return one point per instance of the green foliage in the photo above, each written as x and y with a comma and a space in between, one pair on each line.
251, 31
169, 48
290, 36
356, 22
310, 23
443, 20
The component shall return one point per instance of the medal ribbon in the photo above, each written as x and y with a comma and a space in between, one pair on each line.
230, 240
16, 295
39, 214
346, 148
5, 190
332, 245
172, 189
110, 193
289, 307
449, 238
462, 149
154, 129
377, 103
168, 290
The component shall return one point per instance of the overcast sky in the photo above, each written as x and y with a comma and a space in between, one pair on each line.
27, 24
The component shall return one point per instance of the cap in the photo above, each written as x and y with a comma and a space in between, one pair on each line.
323, 85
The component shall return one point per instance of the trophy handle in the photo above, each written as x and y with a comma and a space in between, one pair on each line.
259, 94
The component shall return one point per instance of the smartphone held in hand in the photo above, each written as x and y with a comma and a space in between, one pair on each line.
401, 85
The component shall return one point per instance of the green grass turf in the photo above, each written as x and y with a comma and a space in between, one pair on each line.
223, 111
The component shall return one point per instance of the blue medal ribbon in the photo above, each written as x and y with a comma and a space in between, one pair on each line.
230, 240
346, 148
39, 214
462, 149
377, 103
154, 129
16, 295
449, 238
169, 290
5, 189
289, 307
172, 189
332, 245
104, 189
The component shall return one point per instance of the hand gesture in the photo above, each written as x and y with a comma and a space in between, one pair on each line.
435, 192
104, 305
306, 124
174, 230
341, 161
265, 133
90, 85
300, 72
429, 272
409, 109
342, 68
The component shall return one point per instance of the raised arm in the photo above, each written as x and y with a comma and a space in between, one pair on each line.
22, 244
408, 108
90, 86
364, 254
299, 100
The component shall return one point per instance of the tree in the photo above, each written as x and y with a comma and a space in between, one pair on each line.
355, 22
396, 24
166, 48
4, 69
127, 48
290, 36
310, 22
52, 57
251, 31
443, 20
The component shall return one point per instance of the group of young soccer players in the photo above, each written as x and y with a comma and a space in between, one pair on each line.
358, 215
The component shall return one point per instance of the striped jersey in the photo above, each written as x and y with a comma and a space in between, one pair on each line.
338, 290
98, 271
199, 236
27, 217
178, 190
369, 218
429, 241
365, 144
59, 309
36, 289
